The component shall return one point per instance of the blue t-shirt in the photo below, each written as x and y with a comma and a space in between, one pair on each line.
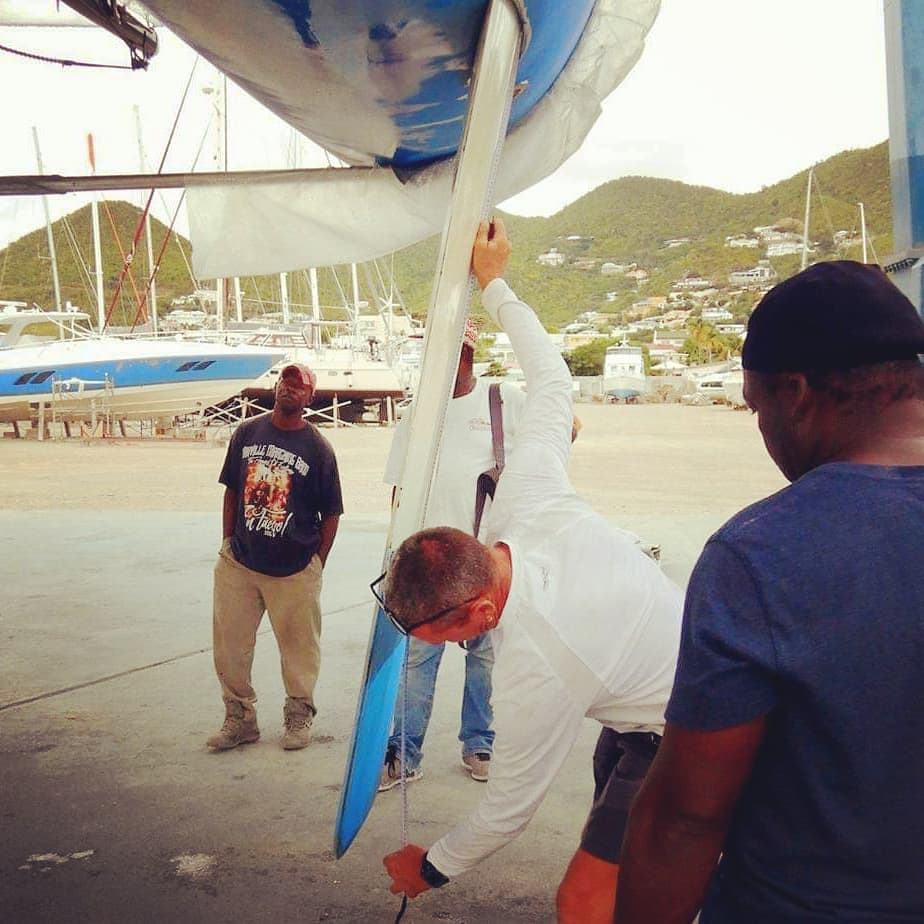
808, 607
285, 480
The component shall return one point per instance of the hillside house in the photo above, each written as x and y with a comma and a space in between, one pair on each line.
741, 240
553, 257
676, 242
785, 248
691, 282
716, 314
584, 263
639, 275
676, 318
652, 303
733, 330
672, 338
616, 269
580, 339
665, 352
756, 276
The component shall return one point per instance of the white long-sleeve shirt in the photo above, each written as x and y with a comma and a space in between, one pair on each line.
591, 626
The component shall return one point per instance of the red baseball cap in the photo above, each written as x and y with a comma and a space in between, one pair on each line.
303, 373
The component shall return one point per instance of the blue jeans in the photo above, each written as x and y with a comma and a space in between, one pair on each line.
423, 661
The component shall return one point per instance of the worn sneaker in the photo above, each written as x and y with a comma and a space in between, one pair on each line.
236, 730
391, 772
477, 765
297, 717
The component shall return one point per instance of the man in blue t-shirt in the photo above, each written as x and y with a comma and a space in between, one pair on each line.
794, 745
280, 513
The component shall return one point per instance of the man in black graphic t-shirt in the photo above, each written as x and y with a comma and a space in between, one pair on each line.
280, 513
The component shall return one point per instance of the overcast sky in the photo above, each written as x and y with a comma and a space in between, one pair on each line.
734, 94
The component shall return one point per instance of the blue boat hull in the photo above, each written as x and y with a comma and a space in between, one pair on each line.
129, 379
371, 81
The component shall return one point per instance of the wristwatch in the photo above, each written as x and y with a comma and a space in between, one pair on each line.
431, 875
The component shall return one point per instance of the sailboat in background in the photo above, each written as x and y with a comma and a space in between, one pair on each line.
78, 372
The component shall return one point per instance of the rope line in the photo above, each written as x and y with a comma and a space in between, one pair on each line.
64, 62
48, 694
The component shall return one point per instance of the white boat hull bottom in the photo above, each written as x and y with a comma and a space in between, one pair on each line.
342, 373
142, 402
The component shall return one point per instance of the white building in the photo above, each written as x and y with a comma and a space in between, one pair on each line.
692, 281
741, 240
553, 257
758, 275
716, 314
785, 248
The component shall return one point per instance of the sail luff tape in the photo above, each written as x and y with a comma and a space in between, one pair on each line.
526, 30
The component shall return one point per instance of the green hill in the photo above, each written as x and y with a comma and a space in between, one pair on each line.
624, 221
627, 221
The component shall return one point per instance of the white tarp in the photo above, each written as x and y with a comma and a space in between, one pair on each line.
345, 216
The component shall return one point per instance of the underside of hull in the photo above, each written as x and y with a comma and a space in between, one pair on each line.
385, 84
372, 82
625, 385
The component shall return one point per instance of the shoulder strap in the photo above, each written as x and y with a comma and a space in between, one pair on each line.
495, 405
487, 481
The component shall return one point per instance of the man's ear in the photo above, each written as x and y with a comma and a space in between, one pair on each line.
484, 612
798, 395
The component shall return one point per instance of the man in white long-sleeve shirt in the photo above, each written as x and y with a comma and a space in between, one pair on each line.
584, 625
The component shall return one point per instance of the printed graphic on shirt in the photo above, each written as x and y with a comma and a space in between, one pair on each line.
268, 486
479, 423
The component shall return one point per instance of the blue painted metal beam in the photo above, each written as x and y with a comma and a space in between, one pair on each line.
904, 25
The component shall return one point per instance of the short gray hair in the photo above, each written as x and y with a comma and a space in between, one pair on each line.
432, 570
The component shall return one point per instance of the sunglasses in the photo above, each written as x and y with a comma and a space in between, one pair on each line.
376, 588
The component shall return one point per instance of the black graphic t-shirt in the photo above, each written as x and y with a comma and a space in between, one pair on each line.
285, 480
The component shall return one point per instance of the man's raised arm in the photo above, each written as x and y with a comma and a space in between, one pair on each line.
548, 415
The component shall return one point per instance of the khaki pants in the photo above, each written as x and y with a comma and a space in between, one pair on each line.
294, 606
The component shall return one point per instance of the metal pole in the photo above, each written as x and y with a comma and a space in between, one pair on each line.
863, 231
152, 284
284, 296
315, 298
238, 301
52, 253
97, 247
805, 223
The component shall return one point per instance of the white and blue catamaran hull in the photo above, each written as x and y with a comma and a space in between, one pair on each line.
130, 379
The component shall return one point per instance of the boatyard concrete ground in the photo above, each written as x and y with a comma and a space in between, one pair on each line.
113, 810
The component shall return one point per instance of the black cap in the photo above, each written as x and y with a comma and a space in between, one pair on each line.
835, 315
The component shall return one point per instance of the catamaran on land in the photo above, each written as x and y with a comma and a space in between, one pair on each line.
80, 374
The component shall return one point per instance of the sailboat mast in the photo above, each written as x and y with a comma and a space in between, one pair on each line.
315, 297
238, 300
805, 223
52, 253
863, 231
354, 314
284, 296
152, 284
97, 250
